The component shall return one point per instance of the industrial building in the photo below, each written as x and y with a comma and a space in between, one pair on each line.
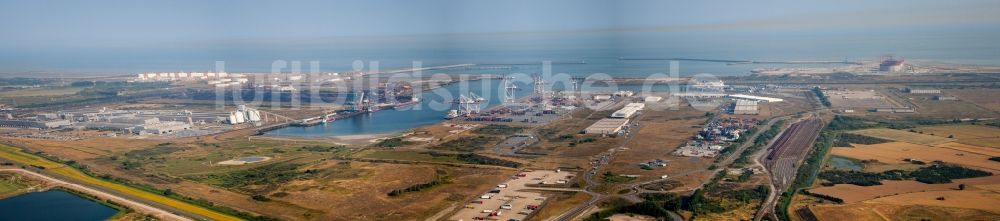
890, 64
748, 107
894, 110
650, 99
34, 123
166, 127
135, 125
243, 114
607, 126
139, 121
707, 86
923, 91
629, 110
945, 98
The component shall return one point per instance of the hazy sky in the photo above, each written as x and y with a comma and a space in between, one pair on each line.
41, 24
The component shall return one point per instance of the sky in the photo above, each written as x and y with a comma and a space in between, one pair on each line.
46, 24
97, 36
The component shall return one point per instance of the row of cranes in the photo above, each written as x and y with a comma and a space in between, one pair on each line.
467, 105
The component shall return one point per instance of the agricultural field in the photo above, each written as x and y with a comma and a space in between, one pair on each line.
851, 193
910, 150
898, 152
903, 136
867, 211
977, 135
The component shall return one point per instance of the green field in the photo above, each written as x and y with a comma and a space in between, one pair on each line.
11, 184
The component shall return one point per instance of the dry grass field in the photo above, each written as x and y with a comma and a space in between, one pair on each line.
903, 136
364, 197
927, 106
660, 134
897, 152
657, 140
967, 199
989, 151
977, 135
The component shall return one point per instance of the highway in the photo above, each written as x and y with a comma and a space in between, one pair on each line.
138, 206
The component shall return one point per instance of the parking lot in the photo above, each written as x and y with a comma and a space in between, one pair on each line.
508, 202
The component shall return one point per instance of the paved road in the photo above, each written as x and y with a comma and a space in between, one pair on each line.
589, 177
141, 207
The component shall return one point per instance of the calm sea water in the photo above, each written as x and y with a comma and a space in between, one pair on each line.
432, 109
53, 205
971, 44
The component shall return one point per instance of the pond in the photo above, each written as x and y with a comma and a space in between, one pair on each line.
844, 163
53, 205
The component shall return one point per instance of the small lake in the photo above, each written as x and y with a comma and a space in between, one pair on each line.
53, 205
843, 163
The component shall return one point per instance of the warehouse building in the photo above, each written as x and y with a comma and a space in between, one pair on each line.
34, 123
923, 91
607, 126
629, 110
